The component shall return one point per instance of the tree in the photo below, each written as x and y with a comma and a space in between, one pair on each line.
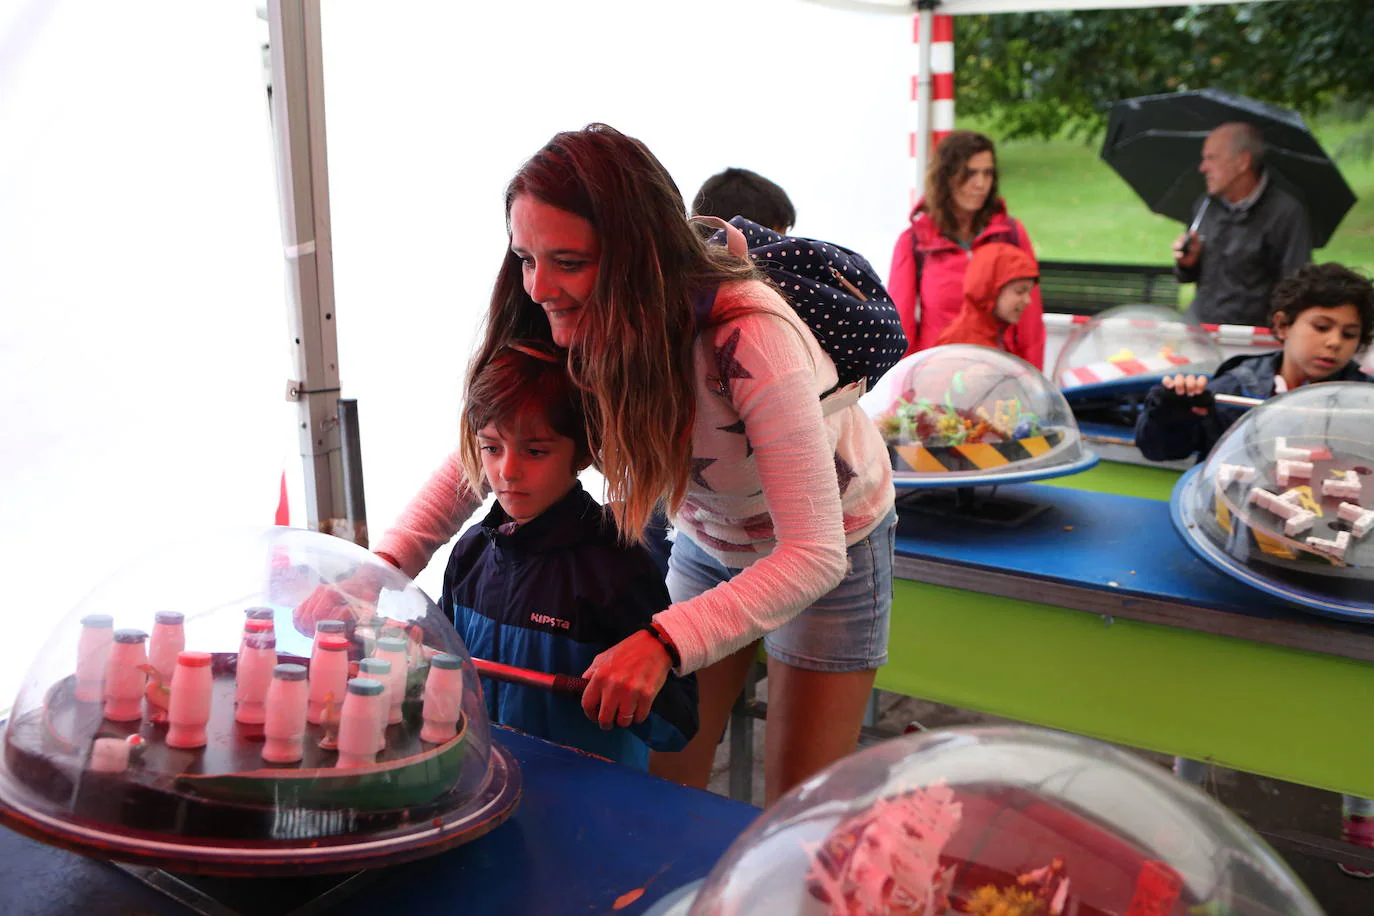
1040, 74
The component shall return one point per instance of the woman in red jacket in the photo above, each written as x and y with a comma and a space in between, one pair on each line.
961, 211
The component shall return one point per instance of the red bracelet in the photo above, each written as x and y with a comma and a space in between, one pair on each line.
667, 642
387, 557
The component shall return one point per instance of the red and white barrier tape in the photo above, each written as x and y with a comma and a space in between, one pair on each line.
1238, 334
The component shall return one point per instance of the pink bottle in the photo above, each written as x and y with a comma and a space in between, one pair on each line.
124, 678
166, 643
443, 699
256, 620
328, 676
359, 723
379, 669
93, 656
253, 675
393, 650
189, 710
325, 628
287, 700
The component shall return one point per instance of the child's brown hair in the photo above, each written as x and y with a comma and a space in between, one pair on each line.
1328, 285
524, 379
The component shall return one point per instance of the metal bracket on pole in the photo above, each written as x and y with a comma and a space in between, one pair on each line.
303, 184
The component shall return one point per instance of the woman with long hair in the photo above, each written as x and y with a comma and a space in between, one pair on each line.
706, 395
960, 212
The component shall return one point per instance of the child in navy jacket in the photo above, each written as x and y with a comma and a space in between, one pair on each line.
1323, 314
545, 581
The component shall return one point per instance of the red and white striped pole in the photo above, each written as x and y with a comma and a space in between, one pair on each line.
932, 90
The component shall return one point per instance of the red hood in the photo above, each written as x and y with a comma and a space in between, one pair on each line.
992, 267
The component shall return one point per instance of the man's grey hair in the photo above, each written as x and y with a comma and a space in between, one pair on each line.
1245, 138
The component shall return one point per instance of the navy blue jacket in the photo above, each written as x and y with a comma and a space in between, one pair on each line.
551, 596
1168, 428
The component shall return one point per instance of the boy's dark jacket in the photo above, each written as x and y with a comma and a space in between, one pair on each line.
551, 596
1168, 428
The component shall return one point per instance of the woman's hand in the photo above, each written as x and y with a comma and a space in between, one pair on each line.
624, 681
343, 600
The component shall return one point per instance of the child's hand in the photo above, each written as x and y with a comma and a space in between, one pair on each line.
624, 681
1191, 387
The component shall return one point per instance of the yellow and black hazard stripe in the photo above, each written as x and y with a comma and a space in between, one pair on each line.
980, 457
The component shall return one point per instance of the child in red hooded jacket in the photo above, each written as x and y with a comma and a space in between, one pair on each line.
997, 291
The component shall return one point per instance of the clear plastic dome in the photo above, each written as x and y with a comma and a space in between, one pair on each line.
1130, 347
190, 713
964, 415
998, 820
1284, 500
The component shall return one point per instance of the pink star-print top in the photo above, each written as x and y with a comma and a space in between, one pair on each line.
781, 483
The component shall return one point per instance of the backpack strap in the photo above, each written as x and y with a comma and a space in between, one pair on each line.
735, 242
919, 257
703, 301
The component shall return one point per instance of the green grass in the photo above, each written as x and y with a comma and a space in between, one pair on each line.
1077, 209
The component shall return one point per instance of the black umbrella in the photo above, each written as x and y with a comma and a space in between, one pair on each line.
1155, 143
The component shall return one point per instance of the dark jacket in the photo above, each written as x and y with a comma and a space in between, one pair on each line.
551, 596
1244, 253
1168, 428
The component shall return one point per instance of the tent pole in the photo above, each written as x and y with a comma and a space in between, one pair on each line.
303, 191
925, 26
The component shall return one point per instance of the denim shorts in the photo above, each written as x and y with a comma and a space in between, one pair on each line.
845, 630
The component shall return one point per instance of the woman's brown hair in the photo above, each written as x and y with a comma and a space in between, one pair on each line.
632, 352
948, 169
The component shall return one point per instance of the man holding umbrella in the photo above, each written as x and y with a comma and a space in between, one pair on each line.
1247, 233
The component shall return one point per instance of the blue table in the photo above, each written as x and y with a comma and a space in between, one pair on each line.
586, 834
1094, 617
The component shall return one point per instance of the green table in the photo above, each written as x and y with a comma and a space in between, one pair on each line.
1095, 618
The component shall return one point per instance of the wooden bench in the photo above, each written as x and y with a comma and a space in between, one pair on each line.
1082, 288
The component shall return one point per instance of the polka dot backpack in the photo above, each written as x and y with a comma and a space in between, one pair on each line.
834, 290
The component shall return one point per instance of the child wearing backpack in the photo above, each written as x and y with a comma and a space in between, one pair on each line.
543, 581
1324, 316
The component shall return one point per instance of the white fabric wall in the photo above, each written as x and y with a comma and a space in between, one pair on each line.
143, 353
432, 107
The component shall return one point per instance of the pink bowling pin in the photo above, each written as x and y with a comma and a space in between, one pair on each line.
359, 723
189, 710
124, 677
93, 656
443, 698
287, 700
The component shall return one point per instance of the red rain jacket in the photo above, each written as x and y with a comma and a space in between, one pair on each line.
992, 267
942, 283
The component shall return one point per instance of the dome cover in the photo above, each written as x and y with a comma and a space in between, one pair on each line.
963, 415
168, 718
1284, 500
998, 820
1130, 347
